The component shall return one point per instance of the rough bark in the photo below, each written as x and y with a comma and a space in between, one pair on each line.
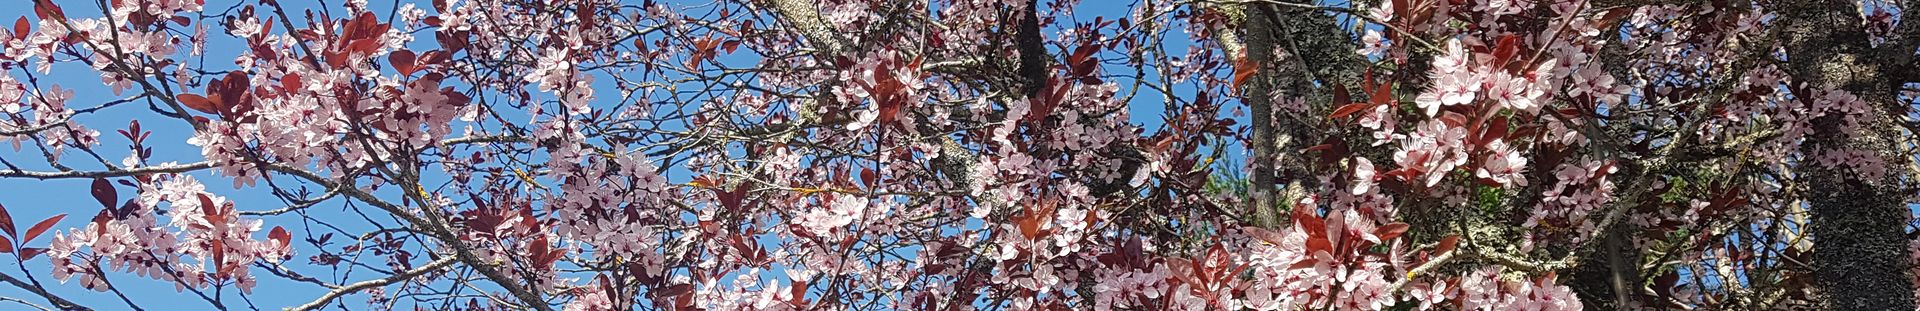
804, 16
1259, 53
1033, 49
1297, 51
1860, 251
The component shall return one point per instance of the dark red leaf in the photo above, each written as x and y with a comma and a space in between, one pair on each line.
1082, 62
363, 46
1498, 130
799, 293
335, 59
1319, 244
1349, 109
281, 235
220, 259
402, 61
732, 199
46, 9
1340, 96
104, 192
37, 229
100, 221
1029, 226
538, 250
889, 110
429, 58
197, 102
1304, 218
1503, 52
21, 27
233, 87
1263, 234
6, 222
1447, 244
210, 211
868, 177
553, 254
6, 245
1382, 94
1664, 283
1602, 171
1402, 8
1243, 69
266, 28
1390, 231
1453, 119
1183, 270
27, 253
291, 82
454, 41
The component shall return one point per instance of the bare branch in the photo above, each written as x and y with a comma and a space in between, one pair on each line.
177, 168
58, 302
362, 285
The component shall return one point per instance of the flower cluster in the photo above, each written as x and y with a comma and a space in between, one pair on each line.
1579, 189
204, 242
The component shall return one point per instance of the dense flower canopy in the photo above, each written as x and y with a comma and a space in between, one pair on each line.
966, 154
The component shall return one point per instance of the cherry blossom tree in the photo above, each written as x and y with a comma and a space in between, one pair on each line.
965, 154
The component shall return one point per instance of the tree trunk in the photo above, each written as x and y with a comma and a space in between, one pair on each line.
1256, 93
1297, 51
1860, 252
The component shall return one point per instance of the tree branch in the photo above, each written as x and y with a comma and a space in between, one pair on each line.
355, 287
805, 15
58, 302
177, 168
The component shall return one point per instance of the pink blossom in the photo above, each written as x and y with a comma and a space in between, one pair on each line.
1453, 82
1515, 93
1503, 165
1434, 149
1591, 81
1372, 44
1363, 176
